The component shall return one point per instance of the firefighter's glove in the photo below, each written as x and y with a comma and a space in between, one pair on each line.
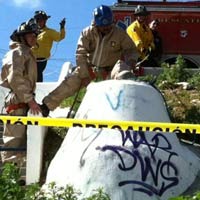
45, 110
62, 23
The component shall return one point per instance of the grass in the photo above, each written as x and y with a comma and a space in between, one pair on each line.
184, 105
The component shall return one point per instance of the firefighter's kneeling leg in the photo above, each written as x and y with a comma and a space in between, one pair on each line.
14, 136
68, 87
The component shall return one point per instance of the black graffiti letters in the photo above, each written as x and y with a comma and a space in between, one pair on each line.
157, 173
19, 121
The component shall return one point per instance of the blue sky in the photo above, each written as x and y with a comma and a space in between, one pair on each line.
78, 14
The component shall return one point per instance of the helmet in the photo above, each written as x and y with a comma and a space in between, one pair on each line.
141, 11
103, 16
40, 15
26, 27
29, 26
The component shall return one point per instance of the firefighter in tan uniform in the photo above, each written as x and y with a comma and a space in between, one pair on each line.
141, 34
19, 74
45, 40
100, 46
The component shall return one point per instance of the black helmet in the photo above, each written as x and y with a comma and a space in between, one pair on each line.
39, 14
29, 26
141, 11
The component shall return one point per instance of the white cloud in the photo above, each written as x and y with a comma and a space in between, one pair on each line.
27, 3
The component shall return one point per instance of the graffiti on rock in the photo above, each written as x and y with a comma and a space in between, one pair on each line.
162, 172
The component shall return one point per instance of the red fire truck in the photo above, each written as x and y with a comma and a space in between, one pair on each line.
179, 26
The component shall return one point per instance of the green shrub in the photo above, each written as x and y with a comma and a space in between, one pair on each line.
99, 195
173, 73
193, 197
195, 81
11, 190
9, 187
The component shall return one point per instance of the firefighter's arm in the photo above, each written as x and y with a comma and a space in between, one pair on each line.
83, 50
129, 53
129, 58
83, 58
57, 36
18, 84
151, 39
133, 34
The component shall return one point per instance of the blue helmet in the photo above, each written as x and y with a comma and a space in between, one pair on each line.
103, 16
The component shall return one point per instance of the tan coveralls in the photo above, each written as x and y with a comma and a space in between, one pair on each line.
19, 74
93, 50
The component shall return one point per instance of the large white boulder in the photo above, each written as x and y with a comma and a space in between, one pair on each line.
126, 164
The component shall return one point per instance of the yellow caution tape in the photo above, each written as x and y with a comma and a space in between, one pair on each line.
121, 125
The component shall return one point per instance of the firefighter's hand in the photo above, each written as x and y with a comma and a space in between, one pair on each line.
62, 23
34, 107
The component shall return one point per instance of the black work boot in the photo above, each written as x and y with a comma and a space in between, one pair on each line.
45, 110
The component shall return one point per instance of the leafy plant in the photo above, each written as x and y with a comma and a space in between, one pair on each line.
148, 78
55, 192
196, 196
11, 190
99, 195
9, 187
195, 81
173, 73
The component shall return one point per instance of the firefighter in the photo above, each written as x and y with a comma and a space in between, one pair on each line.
99, 47
19, 74
45, 41
141, 35
158, 50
